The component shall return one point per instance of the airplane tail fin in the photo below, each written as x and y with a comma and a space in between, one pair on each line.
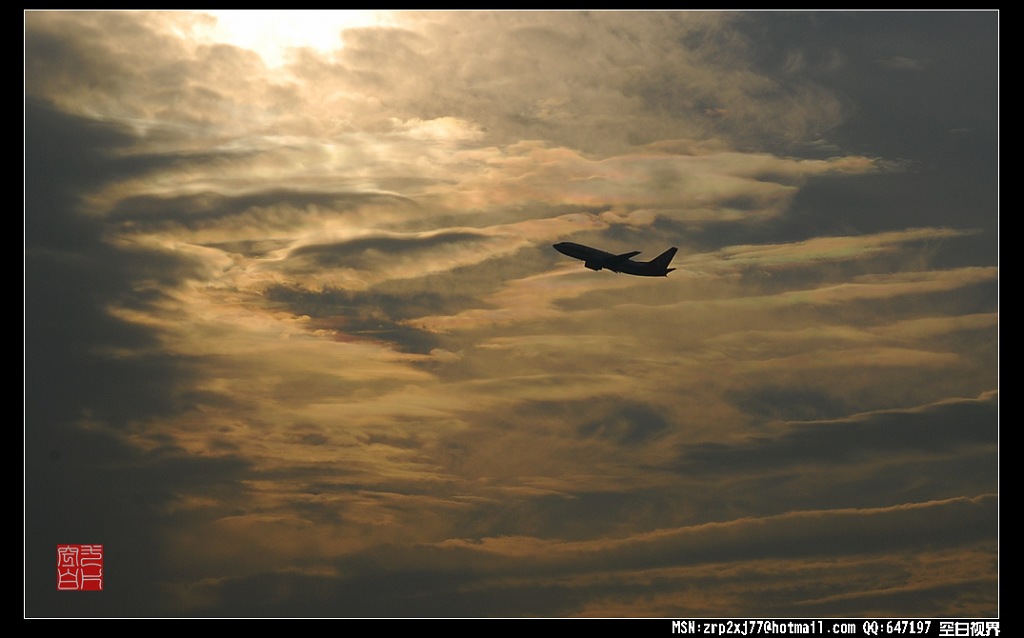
665, 258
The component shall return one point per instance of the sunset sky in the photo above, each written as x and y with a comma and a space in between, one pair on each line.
297, 343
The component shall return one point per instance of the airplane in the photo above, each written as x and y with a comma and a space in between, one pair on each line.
595, 259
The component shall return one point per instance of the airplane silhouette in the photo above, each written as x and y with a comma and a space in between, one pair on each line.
595, 259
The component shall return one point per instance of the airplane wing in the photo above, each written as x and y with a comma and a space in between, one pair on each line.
620, 259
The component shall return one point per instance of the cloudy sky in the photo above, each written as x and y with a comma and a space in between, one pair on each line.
297, 343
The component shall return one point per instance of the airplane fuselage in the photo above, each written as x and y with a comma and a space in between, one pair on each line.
595, 259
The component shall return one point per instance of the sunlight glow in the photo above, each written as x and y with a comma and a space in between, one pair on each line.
273, 33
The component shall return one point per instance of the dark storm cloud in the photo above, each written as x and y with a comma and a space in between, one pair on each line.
95, 489
254, 248
89, 374
627, 425
403, 442
940, 429
278, 206
72, 276
906, 76
418, 593
491, 578
62, 49
613, 419
382, 312
369, 315
65, 157
385, 310
365, 251
905, 112
880, 203
784, 403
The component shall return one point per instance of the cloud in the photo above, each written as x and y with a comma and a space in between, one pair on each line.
297, 342
900, 63
932, 430
482, 578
